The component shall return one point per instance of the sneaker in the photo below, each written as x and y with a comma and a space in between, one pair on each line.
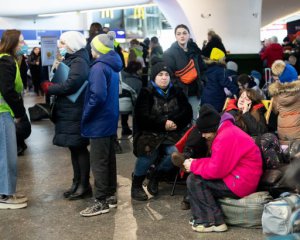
13, 201
192, 221
202, 228
112, 201
98, 208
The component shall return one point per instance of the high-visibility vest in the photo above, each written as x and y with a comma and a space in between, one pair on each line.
4, 107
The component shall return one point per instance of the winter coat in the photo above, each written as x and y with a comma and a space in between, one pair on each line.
152, 110
176, 58
272, 53
217, 80
286, 103
101, 105
235, 159
66, 114
213, 43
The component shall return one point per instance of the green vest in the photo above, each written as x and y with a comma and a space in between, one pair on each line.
116, 44
18, 87
138, 52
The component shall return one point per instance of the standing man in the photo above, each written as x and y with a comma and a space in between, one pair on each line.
100, 121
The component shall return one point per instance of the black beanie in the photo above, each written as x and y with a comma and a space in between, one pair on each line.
208, 120
157, 68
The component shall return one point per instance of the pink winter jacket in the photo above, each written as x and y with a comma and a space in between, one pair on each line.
235, 159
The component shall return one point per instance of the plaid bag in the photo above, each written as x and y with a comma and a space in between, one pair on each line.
245, 212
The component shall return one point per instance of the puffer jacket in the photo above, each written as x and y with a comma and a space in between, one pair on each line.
67, 115
286, 103
217, 80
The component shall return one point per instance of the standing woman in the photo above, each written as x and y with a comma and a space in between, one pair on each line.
67, 115
11, 110
184, 59
34, 62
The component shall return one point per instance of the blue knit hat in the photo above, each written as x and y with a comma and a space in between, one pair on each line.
284, 71
289, 74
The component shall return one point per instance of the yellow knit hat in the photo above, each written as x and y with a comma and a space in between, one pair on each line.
216, 54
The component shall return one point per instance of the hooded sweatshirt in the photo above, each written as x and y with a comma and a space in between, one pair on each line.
235, 159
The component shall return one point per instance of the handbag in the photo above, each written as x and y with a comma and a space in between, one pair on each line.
144, 143
188, 74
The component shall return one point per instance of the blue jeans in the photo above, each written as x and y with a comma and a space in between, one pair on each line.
143, 163
195, 103
8, 155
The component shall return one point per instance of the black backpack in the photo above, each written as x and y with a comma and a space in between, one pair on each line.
271, 151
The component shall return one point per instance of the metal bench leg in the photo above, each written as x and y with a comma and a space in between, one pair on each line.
174, 184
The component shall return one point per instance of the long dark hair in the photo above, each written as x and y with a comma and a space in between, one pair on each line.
10, 41
95, 29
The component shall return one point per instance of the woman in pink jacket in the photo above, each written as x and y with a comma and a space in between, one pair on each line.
233, 169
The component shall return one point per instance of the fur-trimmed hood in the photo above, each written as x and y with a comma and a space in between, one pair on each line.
279, 88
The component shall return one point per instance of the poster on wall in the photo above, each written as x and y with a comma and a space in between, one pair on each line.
48, 50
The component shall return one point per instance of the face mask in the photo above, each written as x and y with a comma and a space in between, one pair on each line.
23, 50
62, 52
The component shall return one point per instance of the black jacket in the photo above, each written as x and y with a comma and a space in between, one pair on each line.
8, 71
152, 118
67, 115
176, 58
213, 43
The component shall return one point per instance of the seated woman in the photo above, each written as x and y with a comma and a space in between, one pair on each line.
162, 112
233, 170
286, 101
249, 112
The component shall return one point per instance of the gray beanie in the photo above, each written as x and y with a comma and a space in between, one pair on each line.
103, 43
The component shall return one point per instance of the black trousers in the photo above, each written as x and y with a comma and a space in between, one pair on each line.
103, 163
124, 120
80, 157
203, 196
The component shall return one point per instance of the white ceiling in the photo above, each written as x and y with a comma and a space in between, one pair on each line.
19, 8
271, 9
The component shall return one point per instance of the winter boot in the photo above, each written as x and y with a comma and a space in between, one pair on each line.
137, 191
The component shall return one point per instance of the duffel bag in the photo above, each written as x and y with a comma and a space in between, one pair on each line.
245, 212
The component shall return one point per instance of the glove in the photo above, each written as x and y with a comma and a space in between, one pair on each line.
45, 86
